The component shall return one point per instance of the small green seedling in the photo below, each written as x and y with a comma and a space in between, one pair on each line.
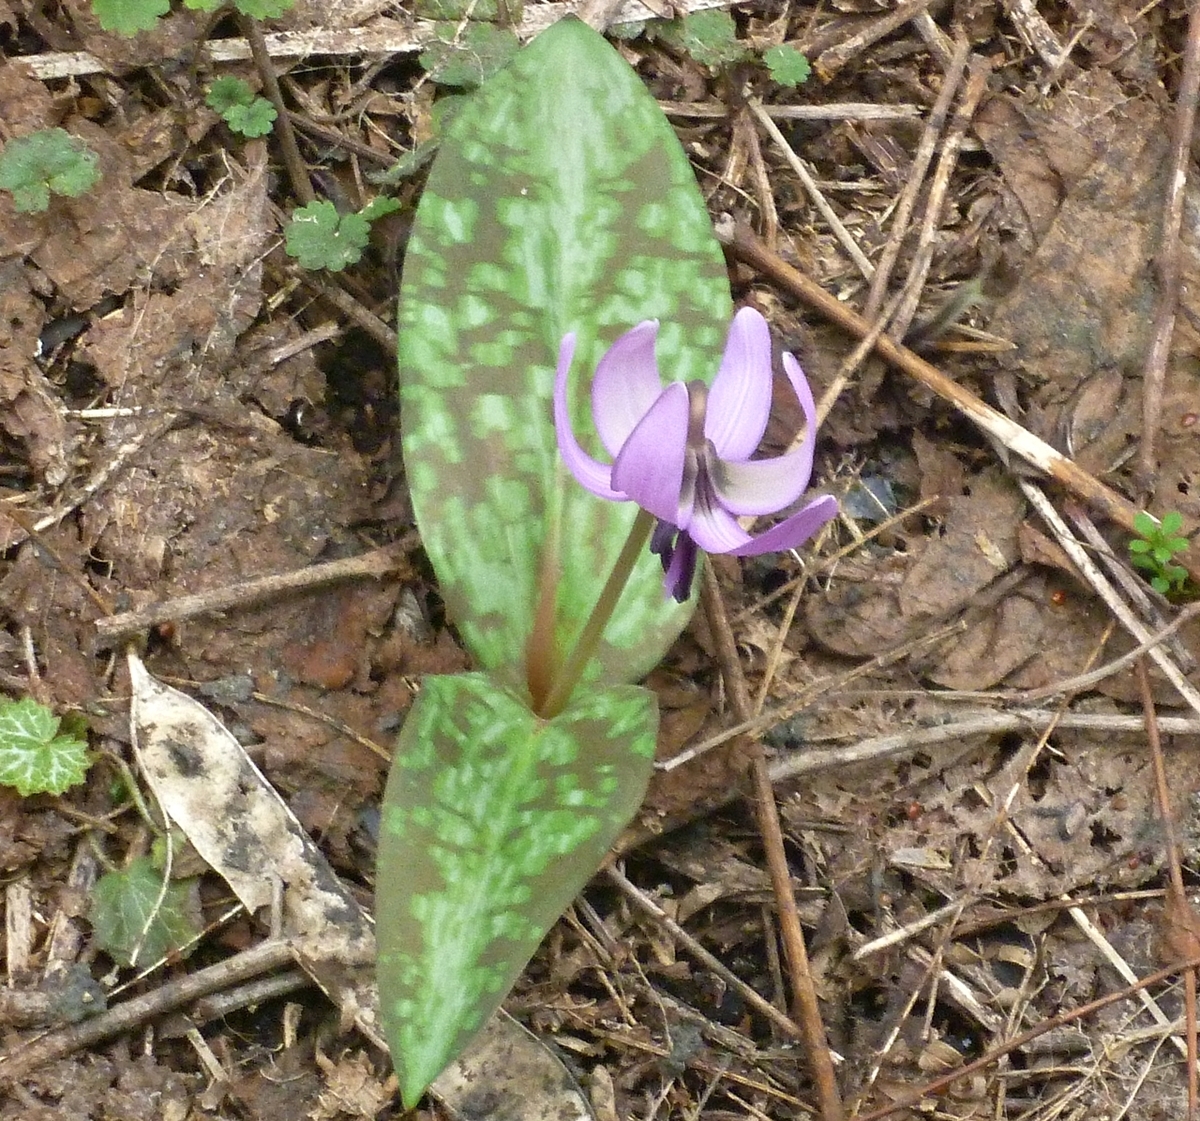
240, 108
35, 757
1154, 547
787, 65
50, 160
138, 917
710, 37
321, 238
128, 17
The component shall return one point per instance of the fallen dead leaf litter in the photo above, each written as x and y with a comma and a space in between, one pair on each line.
163, 296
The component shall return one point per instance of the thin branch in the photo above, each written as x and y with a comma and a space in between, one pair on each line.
293, 161
804, 992
1170, 249
375, 564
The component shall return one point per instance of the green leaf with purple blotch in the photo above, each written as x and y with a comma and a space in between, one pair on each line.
492, 822
560, 200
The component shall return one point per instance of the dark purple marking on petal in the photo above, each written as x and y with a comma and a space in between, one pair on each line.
677, 582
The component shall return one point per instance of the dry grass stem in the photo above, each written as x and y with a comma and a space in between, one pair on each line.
977, 77
922, 158
1168, 264
843, 235
803, 990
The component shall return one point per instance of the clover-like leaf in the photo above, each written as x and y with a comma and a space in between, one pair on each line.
239, 106
709, 36
136, 921
35, 757
493, 820
560, 200
1154, 547
321, 238
787, 65
50, 160
128, 17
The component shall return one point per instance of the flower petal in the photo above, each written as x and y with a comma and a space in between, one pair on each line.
649, 468
626, 385
739, 400
792, 532
592, 475
803, 392
714, 529
762, 486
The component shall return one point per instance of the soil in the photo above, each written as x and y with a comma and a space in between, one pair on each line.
184, 411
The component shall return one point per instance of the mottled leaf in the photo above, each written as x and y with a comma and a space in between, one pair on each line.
559, 201
492, 822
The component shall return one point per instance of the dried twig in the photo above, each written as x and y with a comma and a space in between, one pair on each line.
131, 1014
830, 111
829, 62
746, 992
804, 993
975, 724
382, 38
1170, 247
293, 161
907, 1101
1105, 590
377, 563
922, 158
1179, 919
977, 76
1035, 32
380, 331
844, 237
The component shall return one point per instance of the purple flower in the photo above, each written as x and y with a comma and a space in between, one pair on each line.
682, 452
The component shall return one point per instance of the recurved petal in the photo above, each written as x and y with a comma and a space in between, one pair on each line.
649, 468
761, 486
626, 385
804, 392
596, 477
739, 400
792, 532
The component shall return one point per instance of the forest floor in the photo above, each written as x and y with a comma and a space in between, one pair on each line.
970, 812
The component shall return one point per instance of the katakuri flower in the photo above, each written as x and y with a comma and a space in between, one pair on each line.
682, 451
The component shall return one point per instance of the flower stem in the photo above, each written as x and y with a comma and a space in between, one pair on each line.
589, 638
541, 654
